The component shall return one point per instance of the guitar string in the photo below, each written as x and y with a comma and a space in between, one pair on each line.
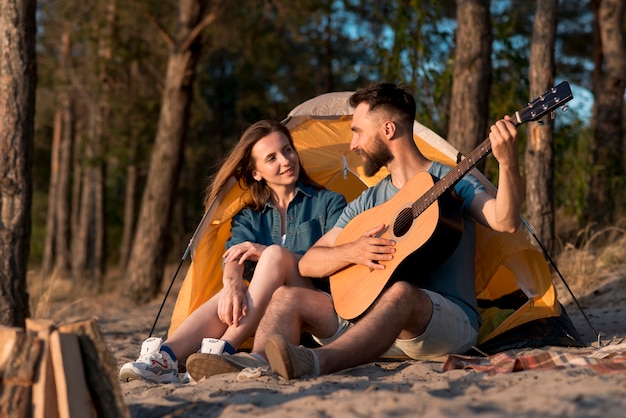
424, 202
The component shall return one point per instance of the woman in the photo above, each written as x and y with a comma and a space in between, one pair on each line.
288, 214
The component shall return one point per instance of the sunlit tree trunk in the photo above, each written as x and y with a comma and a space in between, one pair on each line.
607, 179
57, 240
62, 213
539, 159
18, 79
48, 248
132, 178
469, 103
147, 257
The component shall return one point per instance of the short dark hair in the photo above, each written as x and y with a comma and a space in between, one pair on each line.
397, 99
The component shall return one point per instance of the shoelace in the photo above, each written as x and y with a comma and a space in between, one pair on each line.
146, 357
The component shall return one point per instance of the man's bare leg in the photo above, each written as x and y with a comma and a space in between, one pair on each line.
294, 310
402, 311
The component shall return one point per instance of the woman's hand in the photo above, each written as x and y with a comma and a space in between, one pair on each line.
232, 304
244, 251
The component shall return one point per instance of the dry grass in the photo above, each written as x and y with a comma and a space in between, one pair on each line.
57, 296
597, 260
62, 298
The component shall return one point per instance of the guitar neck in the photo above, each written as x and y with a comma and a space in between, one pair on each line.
462, 168
454, 176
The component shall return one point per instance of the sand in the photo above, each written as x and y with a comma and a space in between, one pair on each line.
383, 388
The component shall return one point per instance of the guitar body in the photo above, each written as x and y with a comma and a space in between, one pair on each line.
431, 238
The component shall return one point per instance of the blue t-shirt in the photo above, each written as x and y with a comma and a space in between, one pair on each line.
310, 215
454, 278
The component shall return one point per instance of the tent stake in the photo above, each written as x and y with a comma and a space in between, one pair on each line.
553, 264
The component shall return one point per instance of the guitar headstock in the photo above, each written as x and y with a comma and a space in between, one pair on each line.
544, 104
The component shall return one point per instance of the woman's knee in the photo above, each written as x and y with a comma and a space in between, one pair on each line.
274, 253
277, 257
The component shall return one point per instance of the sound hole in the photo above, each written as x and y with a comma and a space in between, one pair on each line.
403, 222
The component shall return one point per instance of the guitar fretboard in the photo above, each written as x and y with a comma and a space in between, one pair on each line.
452, 178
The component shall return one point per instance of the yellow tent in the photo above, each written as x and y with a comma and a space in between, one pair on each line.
513, 280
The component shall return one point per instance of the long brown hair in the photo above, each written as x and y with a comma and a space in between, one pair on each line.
240, 164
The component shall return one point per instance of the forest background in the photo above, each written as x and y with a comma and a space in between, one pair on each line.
137, 102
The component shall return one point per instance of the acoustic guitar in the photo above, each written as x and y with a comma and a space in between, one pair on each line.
426, 230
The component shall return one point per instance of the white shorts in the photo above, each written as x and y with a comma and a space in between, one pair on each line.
448, 332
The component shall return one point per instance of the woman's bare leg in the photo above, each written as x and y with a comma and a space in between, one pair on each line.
203, 322
276, 267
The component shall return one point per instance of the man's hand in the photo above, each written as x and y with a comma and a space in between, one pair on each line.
503, 137
370, 251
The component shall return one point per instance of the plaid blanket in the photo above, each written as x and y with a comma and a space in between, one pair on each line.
609, 359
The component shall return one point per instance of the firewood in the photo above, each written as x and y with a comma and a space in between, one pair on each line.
18, 375
44, 388
72, 395
8, 336
100, 369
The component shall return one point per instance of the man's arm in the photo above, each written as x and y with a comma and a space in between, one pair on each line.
324, 258
503, 213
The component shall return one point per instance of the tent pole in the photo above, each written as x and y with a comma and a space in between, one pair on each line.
170, 288
553, 264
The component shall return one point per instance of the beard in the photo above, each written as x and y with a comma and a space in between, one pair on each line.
375, 160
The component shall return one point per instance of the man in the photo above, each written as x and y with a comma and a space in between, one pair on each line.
438, 318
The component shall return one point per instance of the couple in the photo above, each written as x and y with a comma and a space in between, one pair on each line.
438, 318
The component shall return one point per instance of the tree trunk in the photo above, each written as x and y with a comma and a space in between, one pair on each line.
62, 212
56, 250
18, 80
91, 263
48, 247
132, 178
129, 207
609, 82
539, 159
76, 199
147, 259
469, 102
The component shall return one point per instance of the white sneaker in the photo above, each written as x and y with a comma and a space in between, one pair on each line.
153, 365
208, 346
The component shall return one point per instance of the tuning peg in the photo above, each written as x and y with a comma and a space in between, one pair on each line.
564, 108
553, 115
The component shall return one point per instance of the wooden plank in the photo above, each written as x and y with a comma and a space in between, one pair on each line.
44, 388
8, 336
18, 375
100, 370
73, 397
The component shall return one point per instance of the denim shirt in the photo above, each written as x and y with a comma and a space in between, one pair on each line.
310, 215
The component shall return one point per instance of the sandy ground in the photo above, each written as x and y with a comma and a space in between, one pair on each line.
386, 388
